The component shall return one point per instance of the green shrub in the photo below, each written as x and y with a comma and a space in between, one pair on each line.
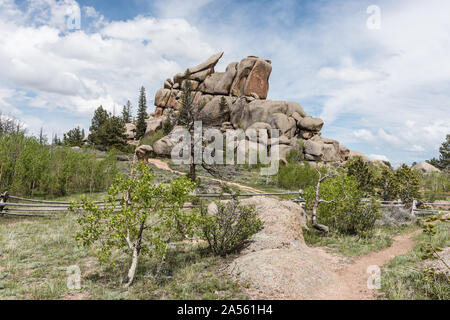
229, 229
29, 168
296, 176
363, 174
152, 138
150, 217
344, 212
296, 154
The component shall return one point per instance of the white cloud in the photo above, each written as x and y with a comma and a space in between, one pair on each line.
381, 89
78, 71
378, 157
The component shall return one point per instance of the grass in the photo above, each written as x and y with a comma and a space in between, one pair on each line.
36, 252
403, 279
353, 245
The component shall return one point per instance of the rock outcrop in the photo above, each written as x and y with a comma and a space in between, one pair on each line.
245, 86
425, 167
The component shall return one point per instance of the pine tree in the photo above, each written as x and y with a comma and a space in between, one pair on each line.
444, 150
126, 112
141, 125
73, 138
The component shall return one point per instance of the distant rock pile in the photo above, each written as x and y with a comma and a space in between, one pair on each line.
244, 86
425, 167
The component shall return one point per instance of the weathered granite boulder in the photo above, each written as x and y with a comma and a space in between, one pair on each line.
143, 152
425, 167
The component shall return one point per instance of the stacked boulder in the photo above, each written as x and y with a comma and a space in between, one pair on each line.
244, 86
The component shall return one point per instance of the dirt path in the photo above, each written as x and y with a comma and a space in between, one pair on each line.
347, 281
351, 279
164, 166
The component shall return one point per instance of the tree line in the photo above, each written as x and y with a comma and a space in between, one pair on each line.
107, 131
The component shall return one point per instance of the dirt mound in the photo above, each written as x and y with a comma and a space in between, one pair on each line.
278, 264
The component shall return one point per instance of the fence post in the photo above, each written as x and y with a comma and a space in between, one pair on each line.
300, 193
413, 207
3, 198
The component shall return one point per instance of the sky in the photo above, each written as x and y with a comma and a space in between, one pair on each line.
377, 72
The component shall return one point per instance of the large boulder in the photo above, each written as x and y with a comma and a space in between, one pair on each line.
425, 167
154, 124
354, 153
258, 79
223, 85
322, 149
164, 146
243, 70
212, 113
130, 130
281, 121
311, 124
256, 111
208, 86
294, 107
162, 97
210, 63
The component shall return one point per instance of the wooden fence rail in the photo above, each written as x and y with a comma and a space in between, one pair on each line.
36, 207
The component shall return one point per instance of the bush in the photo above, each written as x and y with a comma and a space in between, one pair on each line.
296, 154
150, 217
296, 176
231, 227
151, 139
28, 167
363, 174
345, 212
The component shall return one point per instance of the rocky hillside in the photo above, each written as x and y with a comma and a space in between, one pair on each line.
245, 86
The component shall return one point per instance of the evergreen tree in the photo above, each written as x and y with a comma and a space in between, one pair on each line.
101, 116
363, 174
444, 150
126, 112
74, 137
112, 134
141, 125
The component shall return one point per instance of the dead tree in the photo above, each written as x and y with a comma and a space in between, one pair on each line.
188, 115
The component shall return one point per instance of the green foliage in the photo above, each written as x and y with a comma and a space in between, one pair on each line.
107, 131
141, 125
444, 150
443, 162
296, 154
167, 127
28, 167
296, 176
127, 113
230, 227
402, 184
405, 277
74, 137
344, 211
151, 219
363, 174
435, 185
152, 138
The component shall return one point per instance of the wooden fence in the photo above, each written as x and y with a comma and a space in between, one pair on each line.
23, 207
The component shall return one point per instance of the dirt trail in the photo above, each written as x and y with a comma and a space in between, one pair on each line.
351, 279
164, 166
347, 281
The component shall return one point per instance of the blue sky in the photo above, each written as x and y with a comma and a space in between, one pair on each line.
383, 91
